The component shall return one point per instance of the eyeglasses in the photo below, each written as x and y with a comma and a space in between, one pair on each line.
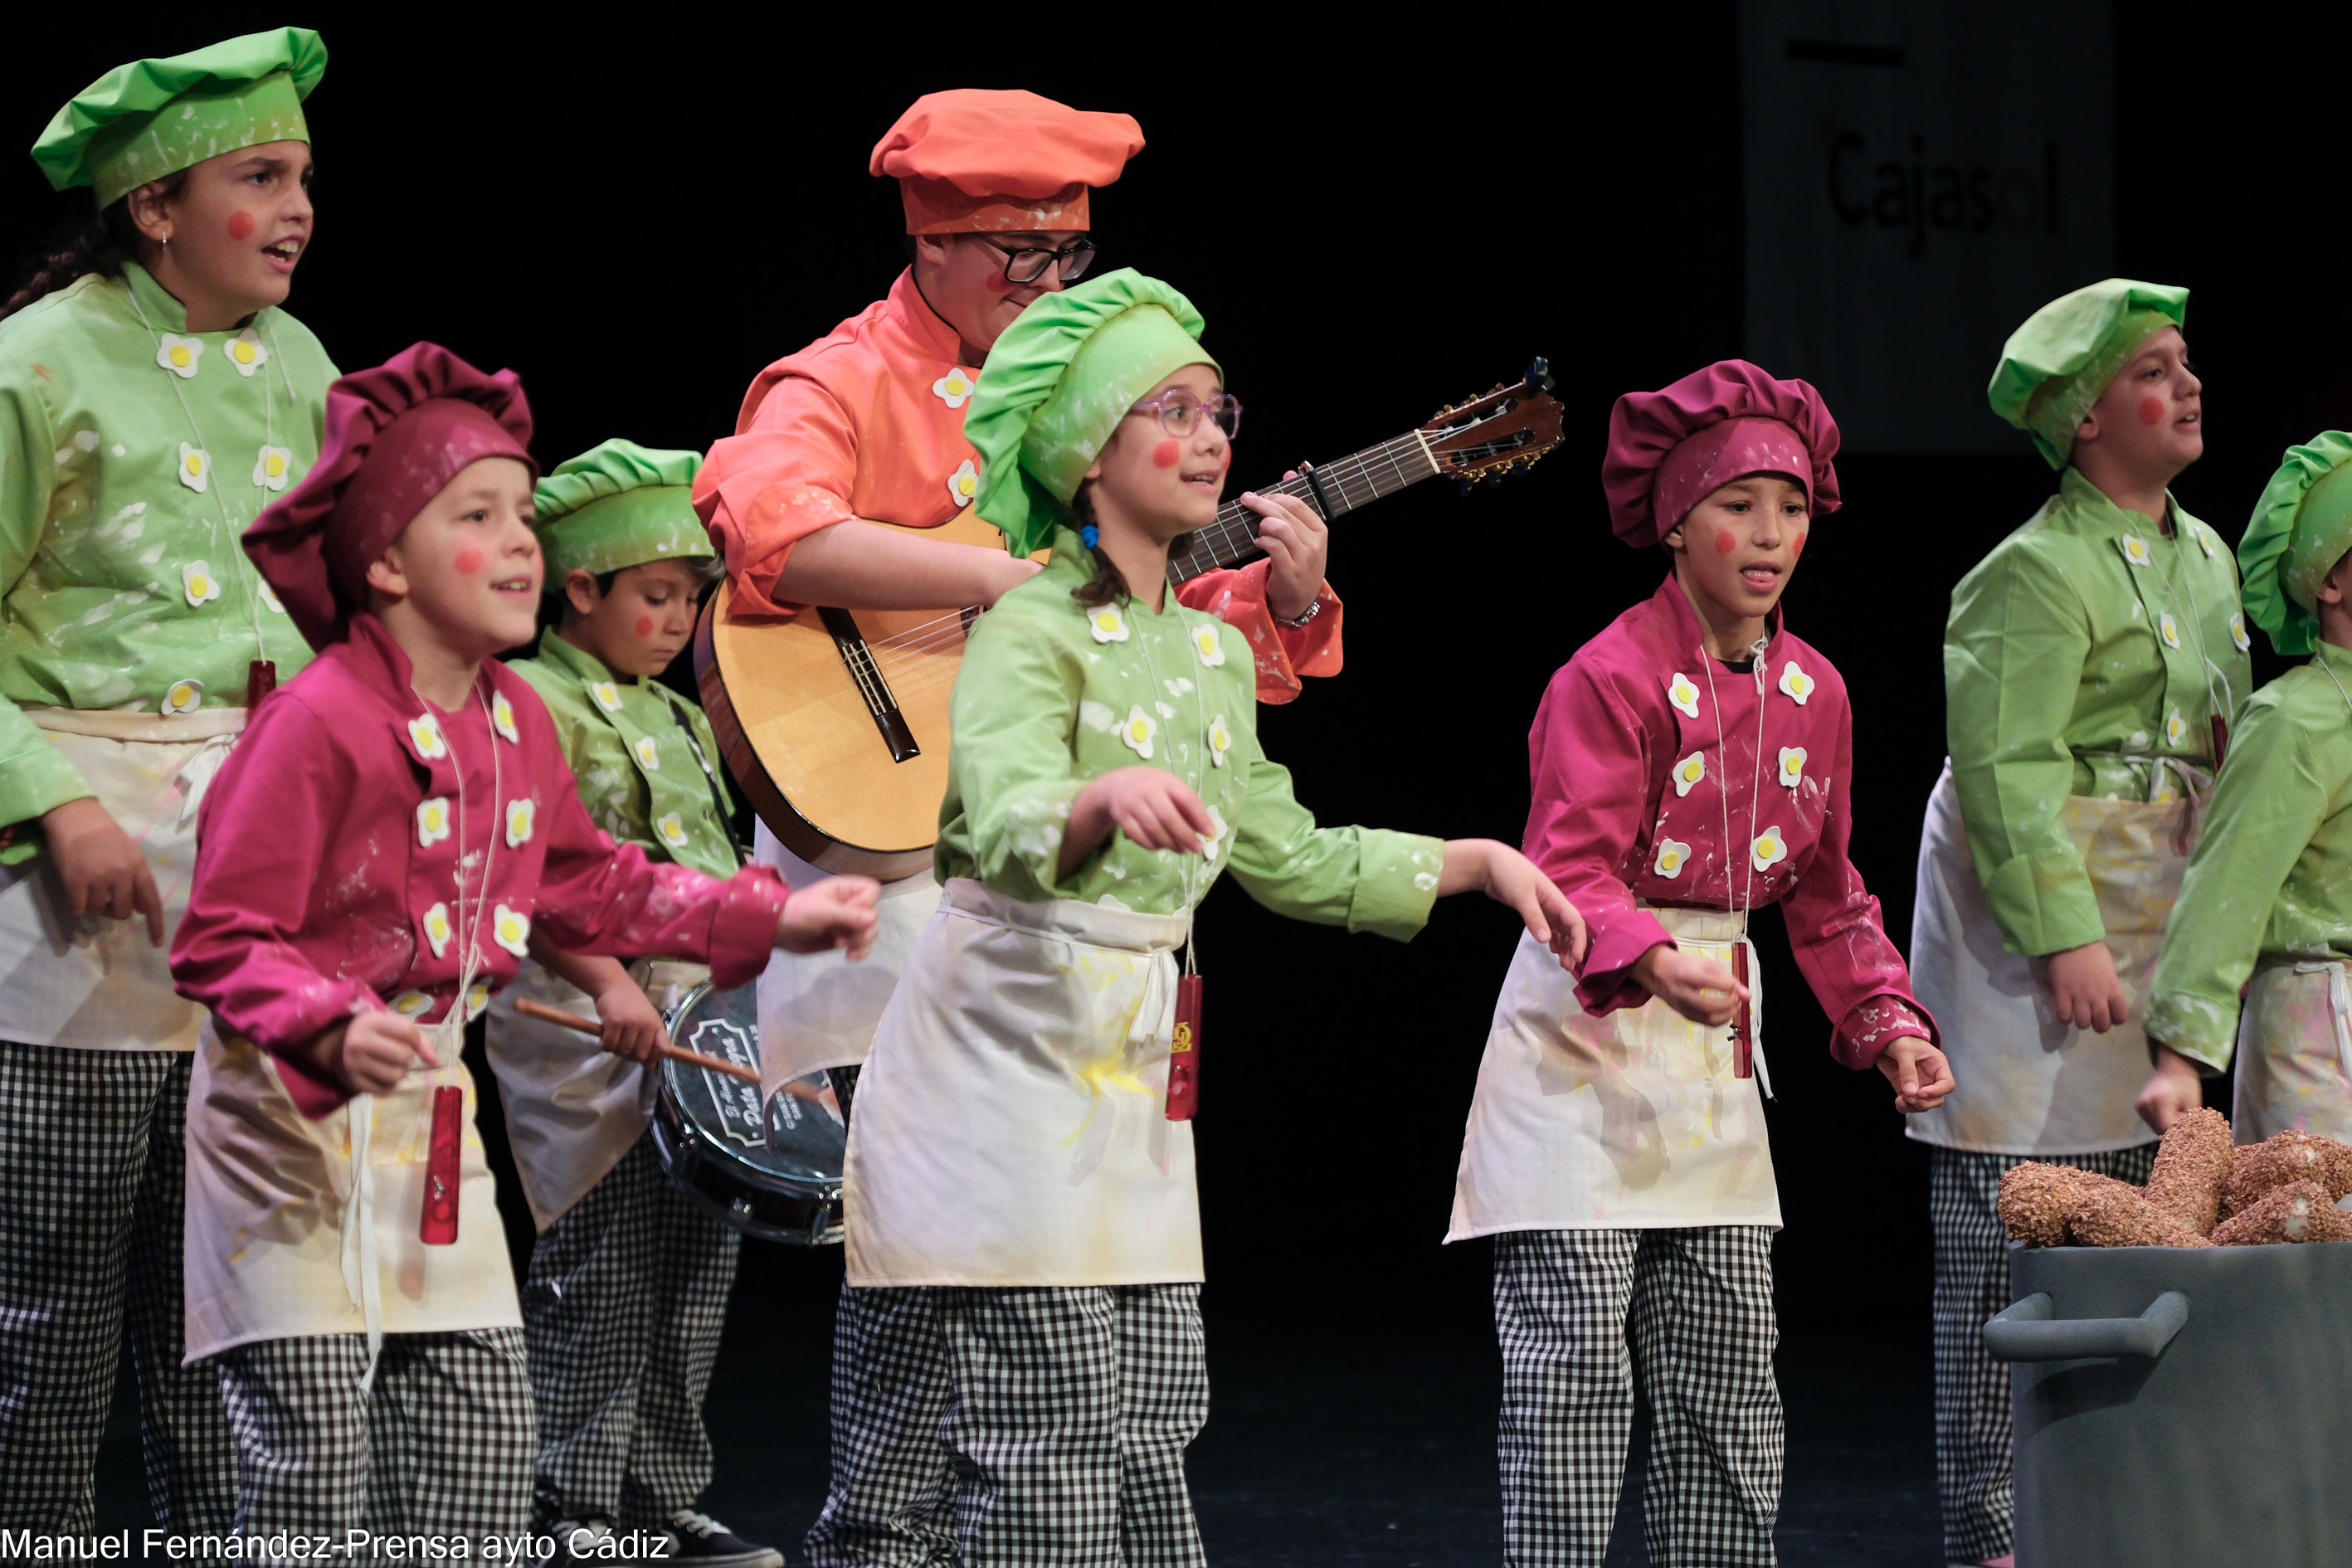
1028, 264
1179, 411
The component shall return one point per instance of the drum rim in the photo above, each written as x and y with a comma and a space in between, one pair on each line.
688, 1150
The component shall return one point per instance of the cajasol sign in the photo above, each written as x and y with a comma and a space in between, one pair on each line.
1918, 179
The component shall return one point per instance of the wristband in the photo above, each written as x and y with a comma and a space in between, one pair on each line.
1314, 608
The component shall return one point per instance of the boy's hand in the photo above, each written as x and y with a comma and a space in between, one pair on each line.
2175, 1089
2085, 989
372, 1052
836, 913
633, 1026
102, 870
1508, 877
1700, 989
1921, 1076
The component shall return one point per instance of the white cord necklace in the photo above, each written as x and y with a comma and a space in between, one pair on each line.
1194, 887
2186, 587
1758, 655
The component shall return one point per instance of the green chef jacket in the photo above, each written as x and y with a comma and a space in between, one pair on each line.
2086, 647
132, 455
1051, 695
2272, 878
644, 758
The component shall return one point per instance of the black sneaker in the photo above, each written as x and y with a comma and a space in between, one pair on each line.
704, 1541
586, 1542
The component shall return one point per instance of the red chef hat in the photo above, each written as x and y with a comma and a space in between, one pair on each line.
395, 437
980, 162
1668, 450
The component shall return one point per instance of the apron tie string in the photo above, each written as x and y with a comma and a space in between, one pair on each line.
360, 1275
195, 775
1155, 1010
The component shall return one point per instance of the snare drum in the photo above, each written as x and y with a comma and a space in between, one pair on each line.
774, 1172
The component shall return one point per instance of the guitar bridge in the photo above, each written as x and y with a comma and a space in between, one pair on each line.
851, 642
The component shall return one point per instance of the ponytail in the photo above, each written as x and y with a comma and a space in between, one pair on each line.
101, 244
1107, 583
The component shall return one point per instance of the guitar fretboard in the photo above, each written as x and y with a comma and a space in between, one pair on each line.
1345, 485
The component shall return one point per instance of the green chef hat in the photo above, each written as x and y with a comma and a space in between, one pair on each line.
2057, 365
2302, 527
1057, 383
618, 504
152, 118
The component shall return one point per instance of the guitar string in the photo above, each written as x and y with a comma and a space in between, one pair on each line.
1353, 479
916, 645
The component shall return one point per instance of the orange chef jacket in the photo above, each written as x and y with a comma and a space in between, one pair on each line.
868, 422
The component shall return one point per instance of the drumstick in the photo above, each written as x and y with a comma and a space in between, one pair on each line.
545, 1014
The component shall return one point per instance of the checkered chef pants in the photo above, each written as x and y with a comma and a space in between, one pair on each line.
1066, 1416
440, 1445
1973, 1440
622, 1311
1697, 1306
92, 1173
890, 1502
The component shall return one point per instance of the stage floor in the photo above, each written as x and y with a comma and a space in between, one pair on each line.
1317, 1456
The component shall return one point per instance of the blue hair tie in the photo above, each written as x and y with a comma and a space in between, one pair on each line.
1091, 535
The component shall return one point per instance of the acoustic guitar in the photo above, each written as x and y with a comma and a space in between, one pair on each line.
836, 722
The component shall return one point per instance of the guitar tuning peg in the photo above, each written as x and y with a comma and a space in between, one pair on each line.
1539, 373
1465, 485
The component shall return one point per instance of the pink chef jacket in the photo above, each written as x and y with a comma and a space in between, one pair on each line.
1630, 771
320, 861
868, 422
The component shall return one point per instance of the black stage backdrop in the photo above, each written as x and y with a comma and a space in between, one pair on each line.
639, 209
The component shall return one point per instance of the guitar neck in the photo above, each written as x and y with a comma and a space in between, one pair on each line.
1339, 486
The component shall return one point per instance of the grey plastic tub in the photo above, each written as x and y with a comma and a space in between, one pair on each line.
2180, 1407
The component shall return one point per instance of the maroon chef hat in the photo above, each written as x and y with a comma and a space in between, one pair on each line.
396, 435
1670, 449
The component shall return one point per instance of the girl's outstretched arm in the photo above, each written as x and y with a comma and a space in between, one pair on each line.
1508, 877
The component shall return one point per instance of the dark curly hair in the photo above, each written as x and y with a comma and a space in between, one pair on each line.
100, 243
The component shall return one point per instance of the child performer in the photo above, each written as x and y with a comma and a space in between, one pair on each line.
2264, 896
370, 864
2090, 666
1690, 764
1012, 1155
154, 395
628, 1284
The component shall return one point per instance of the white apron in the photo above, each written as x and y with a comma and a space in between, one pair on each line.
818, 1010
298, 1227
2294, 1052
1011, 1124
2028, 1084
572, 1109
98, 983
1623, 1123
